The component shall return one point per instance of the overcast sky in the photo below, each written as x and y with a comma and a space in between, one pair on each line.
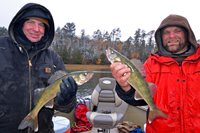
106, 15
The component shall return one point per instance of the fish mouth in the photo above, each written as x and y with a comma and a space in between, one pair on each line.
112, 55
90, 75
108, 55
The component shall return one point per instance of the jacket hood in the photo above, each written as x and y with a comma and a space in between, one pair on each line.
33, 10
176, 20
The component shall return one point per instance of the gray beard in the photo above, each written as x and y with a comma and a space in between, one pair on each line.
181, 46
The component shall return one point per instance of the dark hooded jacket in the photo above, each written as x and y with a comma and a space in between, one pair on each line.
26, 66
177, 79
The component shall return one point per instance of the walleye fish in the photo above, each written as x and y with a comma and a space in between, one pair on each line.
48, 93
137, 81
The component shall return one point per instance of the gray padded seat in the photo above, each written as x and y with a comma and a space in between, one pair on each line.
106, 100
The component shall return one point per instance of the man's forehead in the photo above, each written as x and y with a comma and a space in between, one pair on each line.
35, 20
172, 28
40, 20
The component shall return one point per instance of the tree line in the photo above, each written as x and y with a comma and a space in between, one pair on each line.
86, 49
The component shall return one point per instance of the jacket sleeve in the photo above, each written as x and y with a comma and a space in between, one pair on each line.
69, 107
128, 96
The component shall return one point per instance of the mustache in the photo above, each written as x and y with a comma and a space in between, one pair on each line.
170, 41
173, 40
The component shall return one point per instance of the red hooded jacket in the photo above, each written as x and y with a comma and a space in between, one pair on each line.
177, 94
177, 78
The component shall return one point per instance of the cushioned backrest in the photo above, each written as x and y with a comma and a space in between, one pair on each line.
104, 95
107, 83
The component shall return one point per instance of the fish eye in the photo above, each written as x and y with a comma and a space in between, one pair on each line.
85, 74
112, 52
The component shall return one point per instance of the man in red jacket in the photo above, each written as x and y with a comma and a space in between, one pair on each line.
175, 69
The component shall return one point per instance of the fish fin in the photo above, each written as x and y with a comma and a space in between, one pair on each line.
49, 104
138, 64
137, 96
56, 76
152, 88
29, 121
37, 94
156, 113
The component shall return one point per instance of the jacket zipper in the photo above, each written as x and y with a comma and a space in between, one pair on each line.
30, 65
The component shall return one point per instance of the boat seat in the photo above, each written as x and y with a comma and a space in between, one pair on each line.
107, 101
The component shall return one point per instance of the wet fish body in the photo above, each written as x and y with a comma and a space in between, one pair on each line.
137, 81
48, 93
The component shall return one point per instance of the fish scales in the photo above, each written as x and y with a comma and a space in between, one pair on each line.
137, 81
50, 92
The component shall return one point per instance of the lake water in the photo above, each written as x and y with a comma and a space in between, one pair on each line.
87, 88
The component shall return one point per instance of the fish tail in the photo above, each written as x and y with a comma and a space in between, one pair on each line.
156, 113
29, 121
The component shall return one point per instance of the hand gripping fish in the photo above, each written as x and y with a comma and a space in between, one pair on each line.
137, 81
48, 93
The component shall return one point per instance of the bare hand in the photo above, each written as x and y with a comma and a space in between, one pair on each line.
121, 73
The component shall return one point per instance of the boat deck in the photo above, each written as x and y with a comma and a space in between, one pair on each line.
135, 114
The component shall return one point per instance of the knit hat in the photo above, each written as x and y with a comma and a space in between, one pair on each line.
183, 29
36, 13
39, 19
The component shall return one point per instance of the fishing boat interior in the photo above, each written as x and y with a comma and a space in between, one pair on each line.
101, 112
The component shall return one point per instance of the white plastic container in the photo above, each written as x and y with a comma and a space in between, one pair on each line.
61, 124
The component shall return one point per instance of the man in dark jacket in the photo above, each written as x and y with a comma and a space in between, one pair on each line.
26, 63
175, 69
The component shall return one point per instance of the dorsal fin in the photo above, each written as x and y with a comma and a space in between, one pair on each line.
56, 76
138, 64
49, 104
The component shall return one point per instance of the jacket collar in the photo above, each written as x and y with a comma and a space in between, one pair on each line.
168, 60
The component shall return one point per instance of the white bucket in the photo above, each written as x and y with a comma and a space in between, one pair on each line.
61, 124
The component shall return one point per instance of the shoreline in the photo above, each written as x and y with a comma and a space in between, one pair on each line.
86, 67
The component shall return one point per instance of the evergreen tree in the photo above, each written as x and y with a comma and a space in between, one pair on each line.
3, 31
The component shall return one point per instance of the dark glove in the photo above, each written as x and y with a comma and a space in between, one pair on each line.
68, 89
